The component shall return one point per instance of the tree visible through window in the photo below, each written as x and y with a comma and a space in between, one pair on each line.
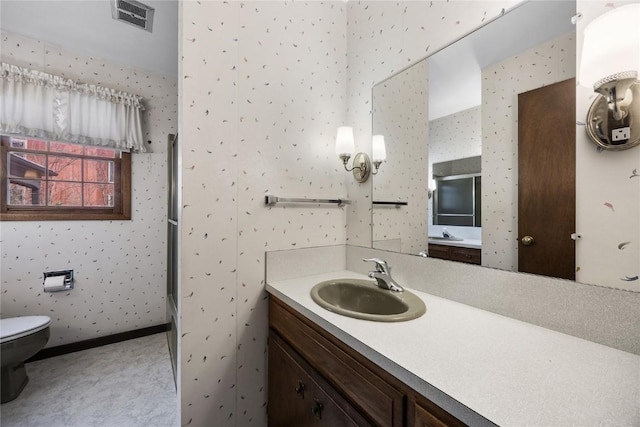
59, 178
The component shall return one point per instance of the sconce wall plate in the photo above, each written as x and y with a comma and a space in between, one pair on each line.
609, 133
361, 167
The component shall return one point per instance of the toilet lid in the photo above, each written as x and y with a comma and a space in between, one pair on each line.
17, 327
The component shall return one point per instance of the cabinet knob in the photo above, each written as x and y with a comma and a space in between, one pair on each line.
317, 408
300, 389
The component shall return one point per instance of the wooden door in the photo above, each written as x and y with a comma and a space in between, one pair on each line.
546, 180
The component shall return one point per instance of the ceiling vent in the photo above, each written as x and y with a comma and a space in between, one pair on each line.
133, 12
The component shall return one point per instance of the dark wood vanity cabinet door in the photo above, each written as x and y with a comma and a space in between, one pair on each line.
298, 397
439, 251
425, 418
352, 377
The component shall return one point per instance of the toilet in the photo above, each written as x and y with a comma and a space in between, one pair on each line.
20, 338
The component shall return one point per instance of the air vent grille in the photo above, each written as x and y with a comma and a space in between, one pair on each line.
130, 7
133, 12
142, 23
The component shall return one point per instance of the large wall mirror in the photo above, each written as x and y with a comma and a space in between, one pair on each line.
457, 125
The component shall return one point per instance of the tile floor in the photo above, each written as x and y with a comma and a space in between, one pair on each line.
127, 384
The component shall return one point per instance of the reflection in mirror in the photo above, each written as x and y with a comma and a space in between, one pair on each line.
456, 198
472, 91
401, 116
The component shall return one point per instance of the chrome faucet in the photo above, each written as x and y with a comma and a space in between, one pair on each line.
382, 274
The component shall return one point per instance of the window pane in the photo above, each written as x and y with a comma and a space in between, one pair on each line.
98, 171
65, 194
26, 165
62, 147
98, 195
101, 152
27, 192
62, 168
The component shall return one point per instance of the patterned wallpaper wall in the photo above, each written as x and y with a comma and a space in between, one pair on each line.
401, 114
264, 87
608, 197
547, 63
456, 136
119, 265
263, 92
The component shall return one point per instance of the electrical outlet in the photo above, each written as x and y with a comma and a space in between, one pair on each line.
621, 134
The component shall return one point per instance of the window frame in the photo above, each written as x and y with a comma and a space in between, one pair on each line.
121, 209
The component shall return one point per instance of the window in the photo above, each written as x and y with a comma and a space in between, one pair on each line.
50, 180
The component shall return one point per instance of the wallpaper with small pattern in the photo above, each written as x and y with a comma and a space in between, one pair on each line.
608, 199
119, 266
263, 92
547, 63
456, 136
264, 87
401, 115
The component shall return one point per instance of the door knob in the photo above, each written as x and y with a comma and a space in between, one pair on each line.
527, 240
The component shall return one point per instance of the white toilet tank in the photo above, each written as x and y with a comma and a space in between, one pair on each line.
13, 328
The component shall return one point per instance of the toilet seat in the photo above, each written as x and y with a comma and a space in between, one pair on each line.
17, 327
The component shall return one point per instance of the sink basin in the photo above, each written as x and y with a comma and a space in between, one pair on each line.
452, 239
363, 299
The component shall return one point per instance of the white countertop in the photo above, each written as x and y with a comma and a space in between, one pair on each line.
473, 362
464, 243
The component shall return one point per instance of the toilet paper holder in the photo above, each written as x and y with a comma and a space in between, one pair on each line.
68, 279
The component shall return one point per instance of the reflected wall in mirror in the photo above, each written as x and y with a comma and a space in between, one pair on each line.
401, 111
531, 46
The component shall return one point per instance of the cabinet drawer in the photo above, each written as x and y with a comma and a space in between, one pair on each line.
469, 255
456, 253
298, 397
381, 403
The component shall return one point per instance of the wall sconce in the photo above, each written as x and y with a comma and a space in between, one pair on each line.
344, 147
610, 64
378, 152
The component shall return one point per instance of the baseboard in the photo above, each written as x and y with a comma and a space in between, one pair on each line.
59, 350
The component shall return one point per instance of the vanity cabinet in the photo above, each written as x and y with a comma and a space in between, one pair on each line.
316, 379
298, 396
455, 253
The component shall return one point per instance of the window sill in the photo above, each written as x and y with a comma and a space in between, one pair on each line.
64, 216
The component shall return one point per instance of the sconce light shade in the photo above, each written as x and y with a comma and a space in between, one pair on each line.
344, 141
610, 64
611, 45
379, 153
344, 147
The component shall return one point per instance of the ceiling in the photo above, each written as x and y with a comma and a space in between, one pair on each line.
455, 72
87, 27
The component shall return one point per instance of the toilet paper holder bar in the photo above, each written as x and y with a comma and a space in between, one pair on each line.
68, 279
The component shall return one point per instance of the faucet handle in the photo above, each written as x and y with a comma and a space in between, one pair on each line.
381, 265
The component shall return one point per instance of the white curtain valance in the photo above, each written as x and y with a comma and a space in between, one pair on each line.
43, 105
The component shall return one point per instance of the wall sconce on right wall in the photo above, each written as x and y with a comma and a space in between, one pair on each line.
610, 63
